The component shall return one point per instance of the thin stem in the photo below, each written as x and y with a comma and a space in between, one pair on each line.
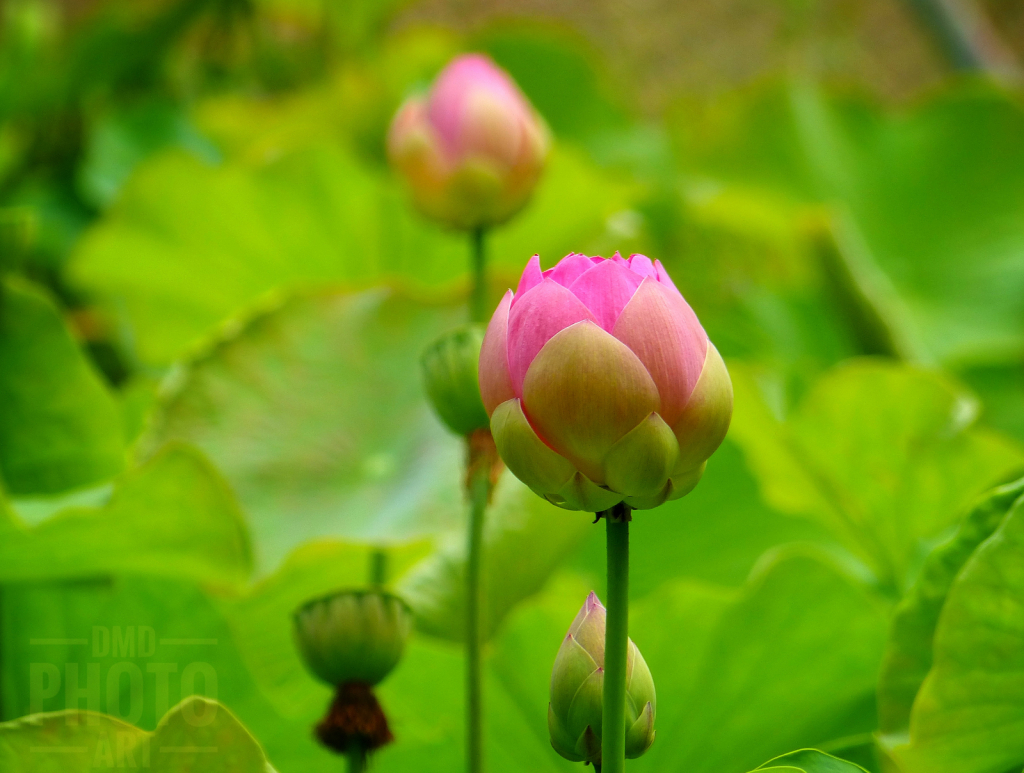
478, 311
479, 493
378, 568
967, 37
3, 681
356, 756
613, 723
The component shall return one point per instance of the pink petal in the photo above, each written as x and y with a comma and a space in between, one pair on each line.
569, 269
605, 289
664, 333
540, 313
619, 259
493, 374
663, 276
530, 278
455, 86
641, 264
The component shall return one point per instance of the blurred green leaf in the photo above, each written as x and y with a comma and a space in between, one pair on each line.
969, 714
792, 662
120, 139
908, 656
1001, 389
59, 427
173, 516
196, 732
884, 455
811, 761
525, 539
559, 72
800, 645
933, 196
208, 241
314, 412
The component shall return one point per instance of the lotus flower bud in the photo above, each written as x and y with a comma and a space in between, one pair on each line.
352, 640
473, 149
450, 376
601, 384
577, 685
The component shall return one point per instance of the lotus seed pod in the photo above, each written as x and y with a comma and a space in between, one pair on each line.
352, 636
449, 368
473, 149
577, 685
601, 384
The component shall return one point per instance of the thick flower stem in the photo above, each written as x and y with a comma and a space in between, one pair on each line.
613, 723
481, 475
357, 759
478, 311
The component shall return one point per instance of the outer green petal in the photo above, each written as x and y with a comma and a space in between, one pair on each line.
705, 419
581, 493
640, 735
589, 745
525, 454
640, 463
650, 502
584, 390
586, 706
684, 482
561, 741
573, 666
640, 687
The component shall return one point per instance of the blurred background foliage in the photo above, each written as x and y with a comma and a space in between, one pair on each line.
215, 293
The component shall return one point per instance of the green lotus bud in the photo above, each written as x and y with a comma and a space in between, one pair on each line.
353, 636
450, 375
577, 684
352, 640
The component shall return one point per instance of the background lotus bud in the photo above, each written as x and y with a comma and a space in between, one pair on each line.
601, 384
352, 640
473, 149
577, 683
449, 367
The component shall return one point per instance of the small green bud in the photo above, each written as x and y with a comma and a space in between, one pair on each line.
352, 636
450, 375
577, 685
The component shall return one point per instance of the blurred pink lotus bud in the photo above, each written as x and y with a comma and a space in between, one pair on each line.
473, 149
601, 384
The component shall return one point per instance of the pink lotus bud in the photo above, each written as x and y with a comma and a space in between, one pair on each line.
473, 149
601, 384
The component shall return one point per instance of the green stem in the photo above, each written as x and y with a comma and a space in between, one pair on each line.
478, 311
616, 639
356, 757
378, 568
3, 681
479, 493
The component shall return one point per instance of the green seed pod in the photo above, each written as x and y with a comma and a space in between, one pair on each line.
450, 376
577, 684
352, 636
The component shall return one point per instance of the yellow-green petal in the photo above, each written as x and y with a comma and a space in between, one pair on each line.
581, 493
684, 482
639, 464
525, 454
584, 391
705, 418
